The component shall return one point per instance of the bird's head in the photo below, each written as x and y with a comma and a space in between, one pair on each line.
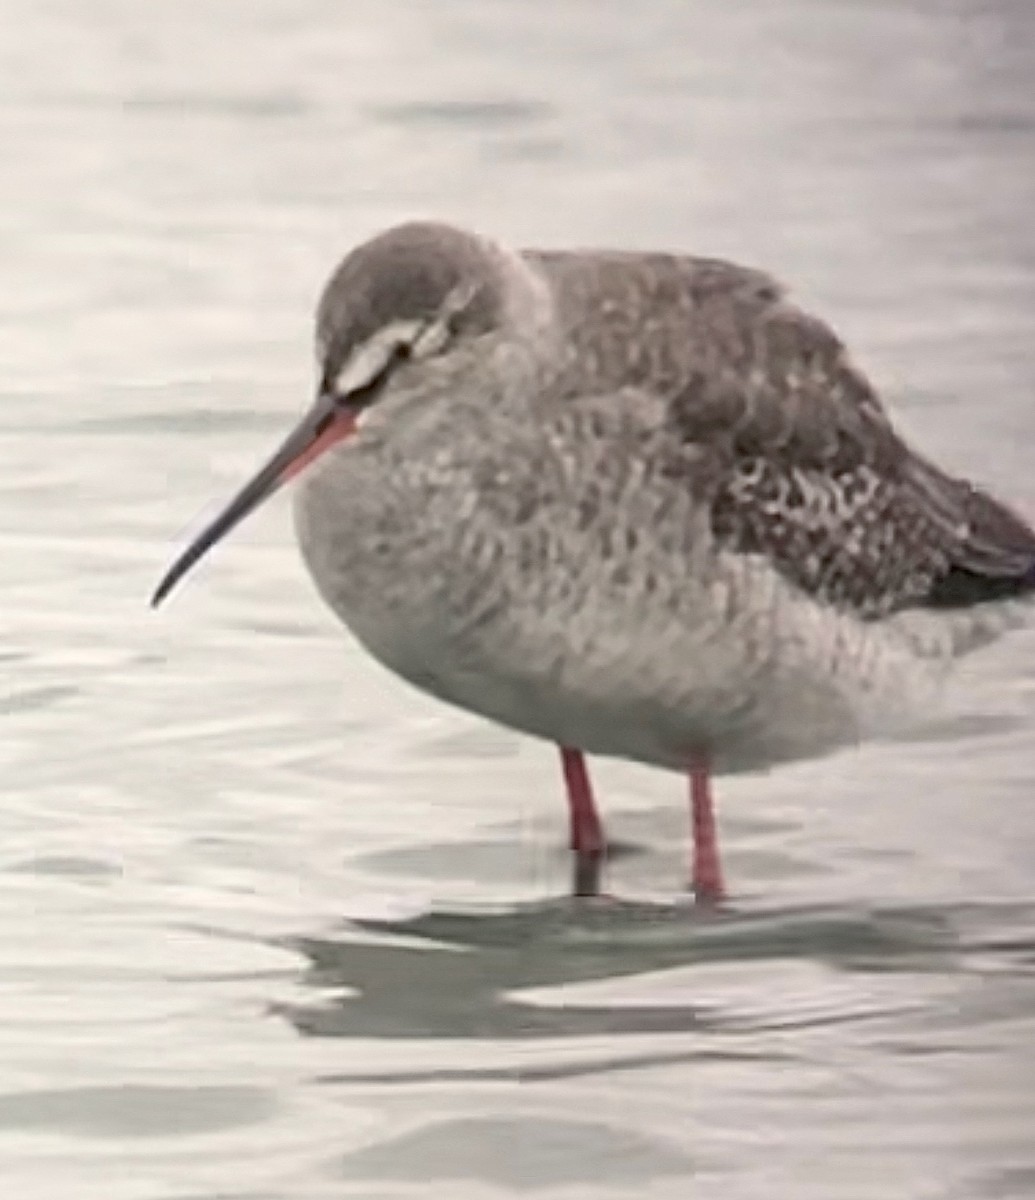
400, 310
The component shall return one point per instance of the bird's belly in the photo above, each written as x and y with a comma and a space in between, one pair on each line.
666, 718
632, 700
730, 662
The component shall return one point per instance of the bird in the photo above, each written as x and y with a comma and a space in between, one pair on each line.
640, 505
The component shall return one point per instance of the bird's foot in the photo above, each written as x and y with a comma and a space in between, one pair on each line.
588, 868
709, 895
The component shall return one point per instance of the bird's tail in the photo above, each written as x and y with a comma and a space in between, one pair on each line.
994, 556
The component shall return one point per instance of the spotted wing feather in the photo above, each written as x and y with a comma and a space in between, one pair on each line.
810, 474
767, 413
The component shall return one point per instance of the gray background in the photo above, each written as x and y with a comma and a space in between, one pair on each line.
272, 924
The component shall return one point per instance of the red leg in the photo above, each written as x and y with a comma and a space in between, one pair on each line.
587, 833
705, 869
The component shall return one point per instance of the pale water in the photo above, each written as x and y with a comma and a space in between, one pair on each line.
272, 925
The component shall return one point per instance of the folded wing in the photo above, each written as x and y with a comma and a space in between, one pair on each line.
807, 471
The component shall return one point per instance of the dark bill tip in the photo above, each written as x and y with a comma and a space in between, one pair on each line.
323, 426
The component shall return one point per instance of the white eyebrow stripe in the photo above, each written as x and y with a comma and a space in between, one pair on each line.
431, 339
370, 358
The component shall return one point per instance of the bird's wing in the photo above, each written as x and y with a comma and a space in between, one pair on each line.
784, 439
840, 505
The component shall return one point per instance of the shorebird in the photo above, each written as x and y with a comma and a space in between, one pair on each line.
639, 505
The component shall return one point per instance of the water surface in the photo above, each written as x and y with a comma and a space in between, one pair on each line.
272, 925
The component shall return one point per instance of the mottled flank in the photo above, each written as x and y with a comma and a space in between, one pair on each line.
803, 466
636, 503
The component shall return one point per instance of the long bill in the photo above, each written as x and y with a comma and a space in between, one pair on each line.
322, 426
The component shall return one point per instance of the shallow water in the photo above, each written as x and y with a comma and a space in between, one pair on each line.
274, 926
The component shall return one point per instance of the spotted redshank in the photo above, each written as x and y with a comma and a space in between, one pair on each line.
639, 505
